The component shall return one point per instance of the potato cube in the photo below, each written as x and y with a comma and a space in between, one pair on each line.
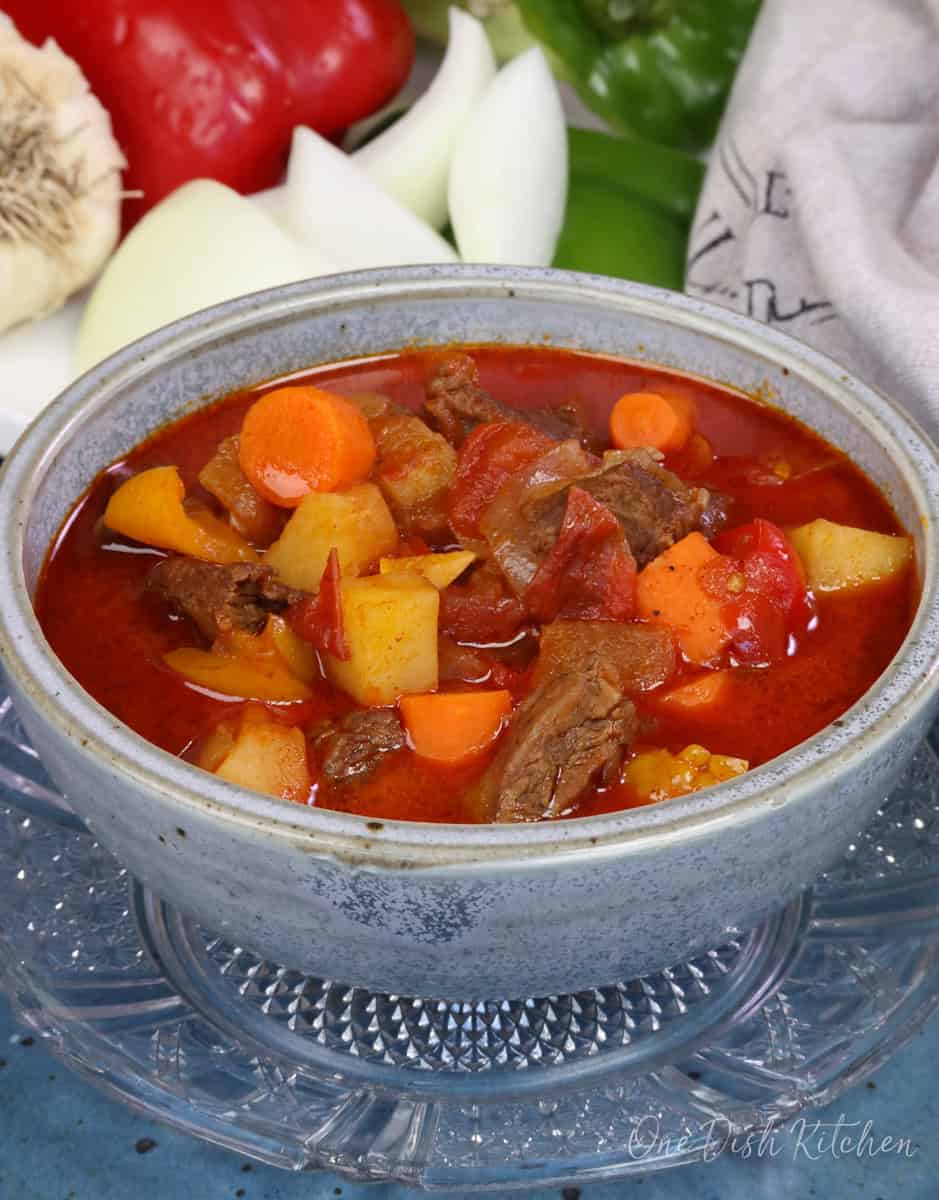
840, 556
390, 624
264, 755
440, 569
356, 521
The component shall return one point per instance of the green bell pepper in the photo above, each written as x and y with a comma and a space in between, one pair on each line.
629, 209
654, 69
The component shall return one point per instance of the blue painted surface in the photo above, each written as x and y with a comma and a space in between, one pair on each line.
61, 1140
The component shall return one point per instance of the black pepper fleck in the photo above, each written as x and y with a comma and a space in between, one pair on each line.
872, 1085
375, 826
144, 1145
246, 1167
570, 1194
695, 1075
27, 1041
180, 831
162, 838
239, 1193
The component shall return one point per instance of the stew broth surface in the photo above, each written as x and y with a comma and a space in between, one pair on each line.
111, 636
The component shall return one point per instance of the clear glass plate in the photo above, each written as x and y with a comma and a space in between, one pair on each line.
308, 1073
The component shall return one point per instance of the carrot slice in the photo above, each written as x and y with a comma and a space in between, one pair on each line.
695, 697
297, 440
664, 422
451, 727
670, 591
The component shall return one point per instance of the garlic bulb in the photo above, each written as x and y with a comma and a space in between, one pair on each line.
60, 185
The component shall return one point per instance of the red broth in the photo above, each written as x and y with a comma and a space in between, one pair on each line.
111, 637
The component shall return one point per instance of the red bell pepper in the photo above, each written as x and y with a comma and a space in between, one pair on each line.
213, 88
768, 598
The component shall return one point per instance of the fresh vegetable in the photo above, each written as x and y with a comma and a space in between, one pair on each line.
257, 752
333, 205
508, 177
452, 727
411, 159
655, 775
390, 624
213, 89
763, 585
202, 245
500, 18
439, 569
839, 556
656, 419
656, 69
629, 209
60, 179
491, 455
589, 574
249, 666
355, 522
148, 507
669, 592
297, 440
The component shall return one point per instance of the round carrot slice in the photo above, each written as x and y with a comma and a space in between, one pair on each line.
297, 440
664, 422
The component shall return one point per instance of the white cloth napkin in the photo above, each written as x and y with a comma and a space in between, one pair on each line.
820, 210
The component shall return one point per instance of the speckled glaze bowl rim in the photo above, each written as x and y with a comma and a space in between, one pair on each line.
907, 686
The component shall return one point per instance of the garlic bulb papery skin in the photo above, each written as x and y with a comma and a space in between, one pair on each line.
60, 181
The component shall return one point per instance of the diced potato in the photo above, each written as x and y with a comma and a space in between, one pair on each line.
390, 624
149, 509
356, 521
659, 775
415, 465
439, 569
840, 556
273, 665
264, 756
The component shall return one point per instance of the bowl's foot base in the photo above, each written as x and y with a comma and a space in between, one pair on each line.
305, 1072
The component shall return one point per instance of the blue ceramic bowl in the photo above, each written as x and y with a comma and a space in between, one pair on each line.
460, 911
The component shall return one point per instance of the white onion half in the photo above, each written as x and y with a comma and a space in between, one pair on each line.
333, 206
411, 159
508, 178
201, 245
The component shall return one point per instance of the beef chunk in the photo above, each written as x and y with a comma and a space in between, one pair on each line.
251, 515
636, 657
456, 403
415, 471
654, 507
561, 736
577, 720
221, 597
455, 400
356, 745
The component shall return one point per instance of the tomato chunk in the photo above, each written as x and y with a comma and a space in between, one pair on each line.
772, 601
590, 573
318, 619
489, 457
